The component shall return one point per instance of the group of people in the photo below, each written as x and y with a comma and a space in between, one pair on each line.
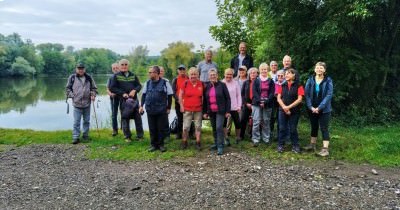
252, 99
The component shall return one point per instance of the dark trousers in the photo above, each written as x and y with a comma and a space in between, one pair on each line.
157, 129
288, 125
217, 124
274, 117
244, 119
321, 120
138, 124
115, 104
179, 115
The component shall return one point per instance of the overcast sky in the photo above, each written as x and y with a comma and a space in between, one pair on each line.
116, 25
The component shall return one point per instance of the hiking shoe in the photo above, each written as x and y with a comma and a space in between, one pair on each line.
220, 151
114, 133
75, 141
198, 146
310, 147
324, 152
128, 139
296, 149
280, 149
163, 149
152, 149
184, 145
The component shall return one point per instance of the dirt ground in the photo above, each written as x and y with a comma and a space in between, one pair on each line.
61, 177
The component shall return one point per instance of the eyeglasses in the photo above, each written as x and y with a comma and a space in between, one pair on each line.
124, 64
279, 75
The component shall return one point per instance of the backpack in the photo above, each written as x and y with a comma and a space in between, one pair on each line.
173, 127
129, 106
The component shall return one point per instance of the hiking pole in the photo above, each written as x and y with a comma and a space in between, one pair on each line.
66, 101
95, 117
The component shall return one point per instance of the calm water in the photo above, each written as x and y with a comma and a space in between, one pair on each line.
39, 104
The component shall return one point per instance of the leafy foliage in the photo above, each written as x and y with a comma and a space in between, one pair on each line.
359, 41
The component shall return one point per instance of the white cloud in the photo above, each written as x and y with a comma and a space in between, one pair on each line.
116, 25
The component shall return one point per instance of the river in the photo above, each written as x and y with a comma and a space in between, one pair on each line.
39, 104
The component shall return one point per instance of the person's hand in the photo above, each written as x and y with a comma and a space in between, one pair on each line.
132, 93
168, 110
182, 109
288, 112
238, 110
92, 98
286, 109
262, 105
248, 105
141, 110
227, 115
125, 95
205, 116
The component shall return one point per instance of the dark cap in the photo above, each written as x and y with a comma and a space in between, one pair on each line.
80, 65
181, 66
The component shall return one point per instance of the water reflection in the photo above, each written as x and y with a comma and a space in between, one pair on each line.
39, 104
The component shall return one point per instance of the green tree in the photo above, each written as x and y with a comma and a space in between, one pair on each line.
177, 53
359, 40
21, 67
138, 59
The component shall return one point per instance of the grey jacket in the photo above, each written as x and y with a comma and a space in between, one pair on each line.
79, 91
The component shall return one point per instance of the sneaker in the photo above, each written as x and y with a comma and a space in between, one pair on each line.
152, 149
280, 149
114, 133
296, 149
163, 149
220, 151
75, 141
310, 147
324, 152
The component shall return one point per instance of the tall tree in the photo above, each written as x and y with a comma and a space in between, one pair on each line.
177, 53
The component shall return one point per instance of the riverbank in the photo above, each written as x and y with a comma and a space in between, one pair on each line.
377, 145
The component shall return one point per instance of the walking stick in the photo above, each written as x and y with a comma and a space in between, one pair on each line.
95, 117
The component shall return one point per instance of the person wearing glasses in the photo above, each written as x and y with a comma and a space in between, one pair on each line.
157, 101
274, 69
82, 89
125, 84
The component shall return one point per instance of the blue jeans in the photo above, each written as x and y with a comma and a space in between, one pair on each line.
261, 118
288, 126
115, 103
80, 113
217, 124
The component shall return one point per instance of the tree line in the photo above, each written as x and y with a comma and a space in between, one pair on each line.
24, 58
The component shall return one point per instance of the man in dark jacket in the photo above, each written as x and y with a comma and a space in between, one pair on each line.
243, 59
157, 101
126, 85
82, 89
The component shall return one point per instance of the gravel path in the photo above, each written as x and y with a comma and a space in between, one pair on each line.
60, 177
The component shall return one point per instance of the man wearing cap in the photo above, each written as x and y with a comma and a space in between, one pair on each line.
243, 59
82, 89
205, 66
177, 85
126, 85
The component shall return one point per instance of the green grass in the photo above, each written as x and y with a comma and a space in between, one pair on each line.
377, 145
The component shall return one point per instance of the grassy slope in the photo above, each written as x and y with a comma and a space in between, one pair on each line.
379, 145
